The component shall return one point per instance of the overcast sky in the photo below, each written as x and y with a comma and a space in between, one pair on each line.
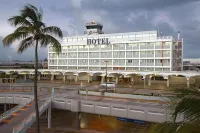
169, 16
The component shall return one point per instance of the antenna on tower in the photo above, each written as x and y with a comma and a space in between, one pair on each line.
178, 37
161, 34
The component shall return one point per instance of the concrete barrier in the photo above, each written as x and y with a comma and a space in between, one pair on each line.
130, 96
15, 98
102, 108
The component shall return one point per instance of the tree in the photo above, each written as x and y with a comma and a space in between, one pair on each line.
188, 106
45, 59
31, 31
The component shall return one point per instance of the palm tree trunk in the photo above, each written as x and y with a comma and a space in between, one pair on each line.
35, 89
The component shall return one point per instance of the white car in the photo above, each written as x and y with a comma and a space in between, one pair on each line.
109, 85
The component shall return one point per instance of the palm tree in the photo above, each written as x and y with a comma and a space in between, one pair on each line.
31, 31
188, 106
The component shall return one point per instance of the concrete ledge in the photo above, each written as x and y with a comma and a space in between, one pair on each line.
87, 106
15, 98
119, 110
130, 96
102, 108
156, 115
137, 112
58, 103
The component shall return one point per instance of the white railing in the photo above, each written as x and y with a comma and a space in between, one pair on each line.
9, 113
30, 118
165, 37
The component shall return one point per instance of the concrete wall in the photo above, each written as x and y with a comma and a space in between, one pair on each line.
149, 113
133, 110
15, 98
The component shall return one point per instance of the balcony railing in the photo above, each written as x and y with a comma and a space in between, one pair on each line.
165, 37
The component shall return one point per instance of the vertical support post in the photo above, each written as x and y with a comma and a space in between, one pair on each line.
76, 78
89, 78
188, 82
117, 79
24, 76
5, 107
132, 79
168, 80
52, 92
10, 82
102, 79
78, 120
64, 78
39, 76
49, 116
149, 81
52, 77
144, 77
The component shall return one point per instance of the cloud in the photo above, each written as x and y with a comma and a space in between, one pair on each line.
169, 16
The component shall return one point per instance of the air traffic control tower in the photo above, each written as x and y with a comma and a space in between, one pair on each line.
93, 28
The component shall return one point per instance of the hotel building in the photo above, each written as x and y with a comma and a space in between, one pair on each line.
139, 51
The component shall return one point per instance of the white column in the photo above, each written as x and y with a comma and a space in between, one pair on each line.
188, 82
102, 79
49, 116
144, 81
117, 79
149, 81
39, 76
24, 76
52, 77
76, 78
168, 82
89, 78
64, 78
132, 79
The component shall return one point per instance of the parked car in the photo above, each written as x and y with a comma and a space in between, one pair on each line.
109, 85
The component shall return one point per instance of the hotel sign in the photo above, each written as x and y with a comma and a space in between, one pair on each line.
98, 41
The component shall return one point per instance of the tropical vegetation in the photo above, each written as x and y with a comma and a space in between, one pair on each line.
31, 31
187, 107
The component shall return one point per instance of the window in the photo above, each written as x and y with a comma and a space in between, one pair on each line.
129, 61
125, 36
119, 36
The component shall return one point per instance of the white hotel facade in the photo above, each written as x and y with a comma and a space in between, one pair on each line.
138, 51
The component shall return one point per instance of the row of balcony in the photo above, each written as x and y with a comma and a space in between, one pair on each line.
119, 48
114, 56
110, 68
109, 64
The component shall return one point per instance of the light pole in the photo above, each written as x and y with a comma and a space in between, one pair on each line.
106, 76
11, 72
